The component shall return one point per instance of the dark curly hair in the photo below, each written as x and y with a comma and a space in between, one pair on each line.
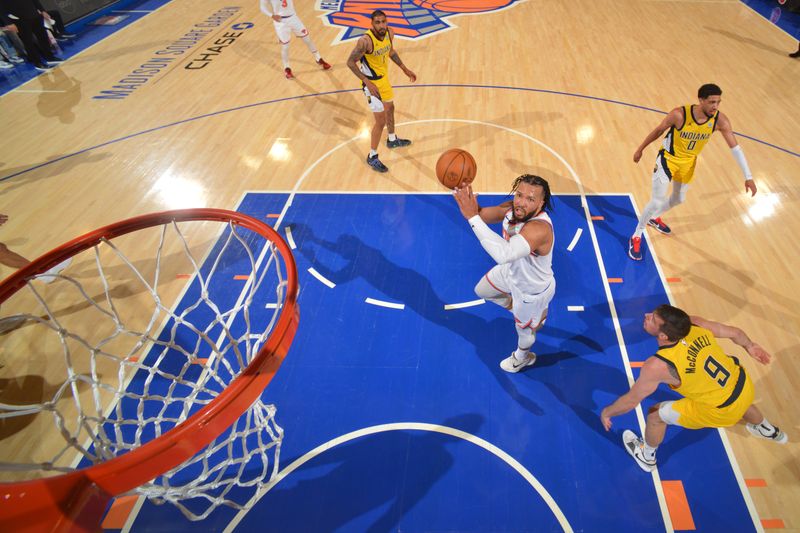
536, 181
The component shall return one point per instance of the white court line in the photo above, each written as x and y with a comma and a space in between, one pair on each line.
402, 426
656, 478
574, 308
614, 315
462, 305
271, 306
581, 192
320, 277
381, 303
659, 490
289, 238
575, 239
737, 472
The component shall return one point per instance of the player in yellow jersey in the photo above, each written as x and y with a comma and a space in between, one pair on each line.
690, 128
369, 61
716, 390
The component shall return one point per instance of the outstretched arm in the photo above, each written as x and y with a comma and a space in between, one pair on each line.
468, 204
725, 128
737, 335
673, 118
501, 250
654, 372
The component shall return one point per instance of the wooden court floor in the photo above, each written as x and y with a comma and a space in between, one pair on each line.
587, 79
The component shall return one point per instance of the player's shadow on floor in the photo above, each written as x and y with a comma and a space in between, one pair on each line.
417, 293
585, 378
367, 484
574, 387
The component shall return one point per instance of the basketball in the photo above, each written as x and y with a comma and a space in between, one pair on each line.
456, 168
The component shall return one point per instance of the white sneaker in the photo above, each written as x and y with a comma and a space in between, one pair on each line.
635, 448
762, 433
513, 365
50, 275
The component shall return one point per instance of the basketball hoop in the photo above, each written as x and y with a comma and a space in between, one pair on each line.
164, 402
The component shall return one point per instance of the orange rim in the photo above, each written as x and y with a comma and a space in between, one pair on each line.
77, 500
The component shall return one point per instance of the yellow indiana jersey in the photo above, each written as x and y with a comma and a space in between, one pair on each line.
376, 65
707, 374
687, 141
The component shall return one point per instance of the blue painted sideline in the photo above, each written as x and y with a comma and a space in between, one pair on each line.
776, 13
87, 34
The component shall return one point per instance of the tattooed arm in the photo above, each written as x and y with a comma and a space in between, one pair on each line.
399, 62
363, 46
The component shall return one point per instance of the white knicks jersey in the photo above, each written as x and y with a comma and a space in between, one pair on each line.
533, 273
283, 8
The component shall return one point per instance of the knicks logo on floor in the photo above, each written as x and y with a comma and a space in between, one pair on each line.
412, 19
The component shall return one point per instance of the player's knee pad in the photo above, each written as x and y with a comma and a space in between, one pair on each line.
485, 290
667, 413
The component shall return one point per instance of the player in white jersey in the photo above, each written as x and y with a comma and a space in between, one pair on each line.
522, 281
287, 22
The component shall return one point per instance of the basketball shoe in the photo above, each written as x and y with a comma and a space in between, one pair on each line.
635, 448
288, 73
635, 248
376, 164
397, 143
514, 365
757, 430
659, 225
324, 64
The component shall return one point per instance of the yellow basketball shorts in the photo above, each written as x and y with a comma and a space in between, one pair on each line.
681, 170
696, 415
386, 92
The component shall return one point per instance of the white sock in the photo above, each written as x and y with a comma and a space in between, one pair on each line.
392, 137
649, 451
521, 355
769, 428
373, 153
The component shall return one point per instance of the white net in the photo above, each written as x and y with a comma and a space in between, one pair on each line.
122, 347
